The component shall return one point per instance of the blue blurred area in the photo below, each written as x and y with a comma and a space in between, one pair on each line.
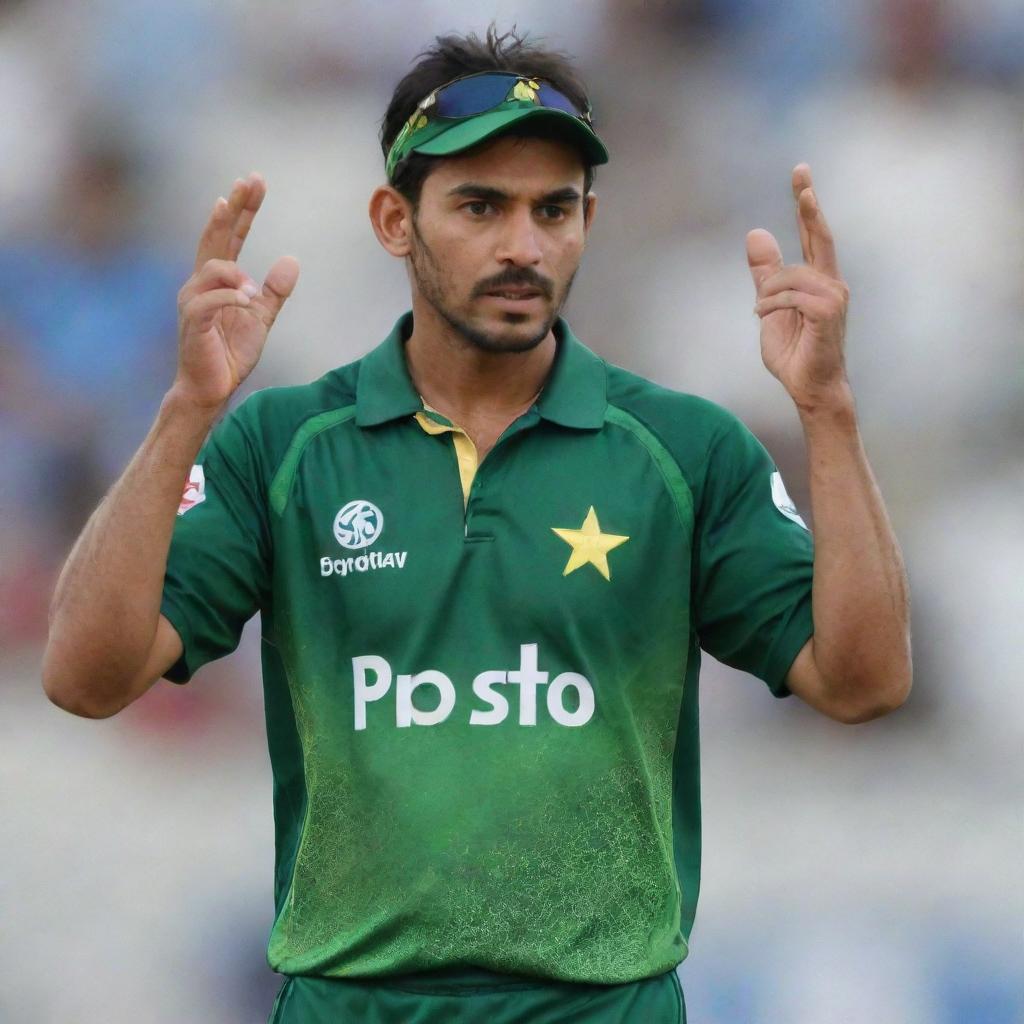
852, 874
94, 326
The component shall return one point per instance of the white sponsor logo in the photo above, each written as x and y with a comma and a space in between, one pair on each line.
358, 524
783, 502
362, 563
372, 677
195, 490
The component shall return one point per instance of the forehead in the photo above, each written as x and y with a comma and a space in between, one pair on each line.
515, 165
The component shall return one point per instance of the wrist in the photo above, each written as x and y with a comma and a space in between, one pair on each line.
181, 407
181, 398
834, 404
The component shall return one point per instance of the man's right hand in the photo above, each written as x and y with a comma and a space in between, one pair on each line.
223, 316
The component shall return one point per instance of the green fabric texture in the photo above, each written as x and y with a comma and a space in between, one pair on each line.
328, 1001
482, 718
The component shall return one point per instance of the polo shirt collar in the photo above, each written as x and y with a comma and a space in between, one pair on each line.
384, 390
575, 394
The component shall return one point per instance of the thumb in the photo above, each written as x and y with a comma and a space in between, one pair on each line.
279, 284
763, 255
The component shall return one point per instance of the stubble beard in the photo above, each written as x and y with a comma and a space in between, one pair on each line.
428, 274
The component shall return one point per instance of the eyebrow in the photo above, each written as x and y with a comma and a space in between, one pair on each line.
470, 189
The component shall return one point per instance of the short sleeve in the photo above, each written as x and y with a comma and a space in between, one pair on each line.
218, 567
754, 562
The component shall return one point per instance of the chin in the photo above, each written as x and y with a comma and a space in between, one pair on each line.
514, 332
507, 331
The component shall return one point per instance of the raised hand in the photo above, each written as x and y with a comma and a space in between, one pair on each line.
223, 315
802, 306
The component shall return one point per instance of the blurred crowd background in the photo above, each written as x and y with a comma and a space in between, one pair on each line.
851, 874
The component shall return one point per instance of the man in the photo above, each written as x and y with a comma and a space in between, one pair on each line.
485, 562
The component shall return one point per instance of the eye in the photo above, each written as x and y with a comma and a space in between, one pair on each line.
552, 212
477, 207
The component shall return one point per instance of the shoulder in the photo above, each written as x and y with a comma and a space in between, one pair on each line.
719, 457
263, 425
690, 427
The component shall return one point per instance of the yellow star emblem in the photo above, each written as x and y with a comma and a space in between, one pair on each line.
589, 545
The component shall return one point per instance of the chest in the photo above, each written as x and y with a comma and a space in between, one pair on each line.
563, 534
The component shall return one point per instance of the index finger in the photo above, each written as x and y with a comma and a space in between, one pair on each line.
819, 247
231, 220
802, 179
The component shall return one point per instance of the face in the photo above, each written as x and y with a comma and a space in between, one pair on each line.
497, 240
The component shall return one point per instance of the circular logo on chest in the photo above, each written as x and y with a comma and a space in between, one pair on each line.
358, 524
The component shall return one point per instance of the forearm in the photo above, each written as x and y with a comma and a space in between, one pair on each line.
106, 605
860, 597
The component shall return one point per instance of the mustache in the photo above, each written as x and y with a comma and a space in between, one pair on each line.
522, 277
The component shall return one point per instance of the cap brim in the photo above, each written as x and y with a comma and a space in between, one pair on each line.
465, 134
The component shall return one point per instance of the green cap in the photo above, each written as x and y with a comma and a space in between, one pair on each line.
444, 136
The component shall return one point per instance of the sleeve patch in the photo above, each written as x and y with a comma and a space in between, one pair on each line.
195, 490
783, 502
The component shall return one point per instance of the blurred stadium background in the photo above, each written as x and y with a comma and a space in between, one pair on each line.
851, 874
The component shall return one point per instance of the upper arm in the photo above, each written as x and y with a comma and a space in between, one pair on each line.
754, 562
164, 652
217, 574
806, 681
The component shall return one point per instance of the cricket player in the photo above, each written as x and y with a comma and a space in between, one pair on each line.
486, 563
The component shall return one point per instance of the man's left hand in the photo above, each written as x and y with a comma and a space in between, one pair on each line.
802, 306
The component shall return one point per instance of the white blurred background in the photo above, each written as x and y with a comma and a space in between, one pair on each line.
851, 874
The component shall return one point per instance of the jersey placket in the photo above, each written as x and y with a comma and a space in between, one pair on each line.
471, 473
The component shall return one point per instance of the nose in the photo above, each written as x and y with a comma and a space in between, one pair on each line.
518, 243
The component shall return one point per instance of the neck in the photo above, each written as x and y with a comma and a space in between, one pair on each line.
468, 384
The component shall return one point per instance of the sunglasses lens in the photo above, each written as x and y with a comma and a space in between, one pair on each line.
550, 97
473, 95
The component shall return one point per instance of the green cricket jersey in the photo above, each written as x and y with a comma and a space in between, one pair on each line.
481, 680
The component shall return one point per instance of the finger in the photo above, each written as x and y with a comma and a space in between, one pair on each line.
199, 312
215, 241
221, 271
764, 256
801, 180
253, 201
217, 273
277, 286
802, 278
215, 224
822, 247
814, 307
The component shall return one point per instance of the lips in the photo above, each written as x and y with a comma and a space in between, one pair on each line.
514, 293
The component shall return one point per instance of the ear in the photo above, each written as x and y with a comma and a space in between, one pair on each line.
589, 208
391, 218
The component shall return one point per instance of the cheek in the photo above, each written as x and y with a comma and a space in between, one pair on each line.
459, 246
465, 261
566, 256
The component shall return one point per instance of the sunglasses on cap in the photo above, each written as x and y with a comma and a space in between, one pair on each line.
475, 94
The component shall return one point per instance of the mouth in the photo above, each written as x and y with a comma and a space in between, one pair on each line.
515, 298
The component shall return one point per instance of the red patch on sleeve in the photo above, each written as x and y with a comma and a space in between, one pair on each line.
195, 490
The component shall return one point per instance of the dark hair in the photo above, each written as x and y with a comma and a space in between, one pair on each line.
452, 56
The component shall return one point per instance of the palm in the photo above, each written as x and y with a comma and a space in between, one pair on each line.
781, 334
235, 342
